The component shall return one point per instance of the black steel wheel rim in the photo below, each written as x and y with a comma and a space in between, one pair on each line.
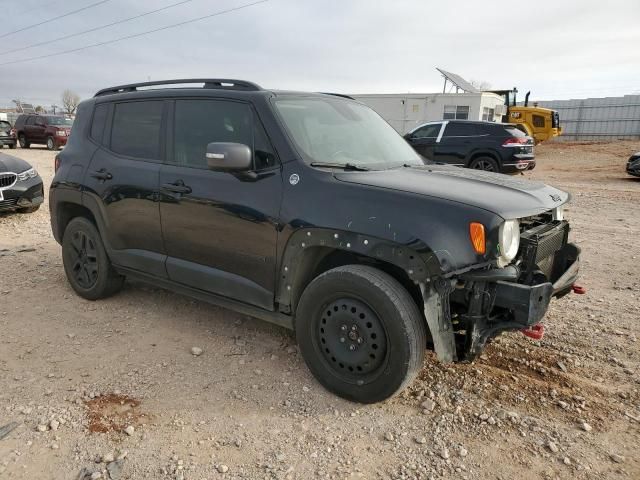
84, 259
352, 339
484, 165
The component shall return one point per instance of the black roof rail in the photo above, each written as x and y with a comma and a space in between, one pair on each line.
222, 83
337, 95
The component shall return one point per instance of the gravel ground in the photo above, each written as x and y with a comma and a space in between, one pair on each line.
112, 389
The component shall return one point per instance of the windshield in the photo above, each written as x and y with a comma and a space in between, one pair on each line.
337, 131
67, 122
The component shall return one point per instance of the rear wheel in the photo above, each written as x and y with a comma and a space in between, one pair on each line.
50, 143
360, 333
23, 141
487, 164
12, 146
86, 263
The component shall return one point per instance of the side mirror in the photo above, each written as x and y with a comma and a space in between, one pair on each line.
409, 136
228, 157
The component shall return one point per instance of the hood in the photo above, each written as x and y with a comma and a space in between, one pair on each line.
504, 195
12, 164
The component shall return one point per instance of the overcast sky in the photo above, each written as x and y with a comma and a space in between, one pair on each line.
556, 49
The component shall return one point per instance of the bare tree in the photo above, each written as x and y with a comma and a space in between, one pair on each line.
70, 100
481, 84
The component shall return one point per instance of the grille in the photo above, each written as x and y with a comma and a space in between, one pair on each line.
7, 179
538, 247
11, 202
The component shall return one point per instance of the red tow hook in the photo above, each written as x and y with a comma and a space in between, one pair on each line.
535, 331
579, 289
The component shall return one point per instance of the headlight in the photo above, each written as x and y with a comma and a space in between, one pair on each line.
27, 174
509, 242
558, 213
61, 133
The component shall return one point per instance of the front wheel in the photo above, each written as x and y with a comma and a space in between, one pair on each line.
50, 143
86, 263
360, 333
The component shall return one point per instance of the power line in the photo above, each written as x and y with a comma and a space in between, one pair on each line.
135, 35
65, 37
54, 18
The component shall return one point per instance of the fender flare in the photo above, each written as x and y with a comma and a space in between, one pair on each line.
417, 260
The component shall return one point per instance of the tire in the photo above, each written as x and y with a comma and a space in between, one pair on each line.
88, 268
360, 333
23, 141
487, 164
29, 209
51, 145
12, 146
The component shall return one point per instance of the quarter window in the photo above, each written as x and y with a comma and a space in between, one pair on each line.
456, 112
99, 121
538, 121
136, 129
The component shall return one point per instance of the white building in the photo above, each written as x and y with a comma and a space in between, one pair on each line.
405, 111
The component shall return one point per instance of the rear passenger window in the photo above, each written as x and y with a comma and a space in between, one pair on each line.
459, 130
136, 129
99, 121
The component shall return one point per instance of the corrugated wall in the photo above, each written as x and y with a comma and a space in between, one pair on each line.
608, 118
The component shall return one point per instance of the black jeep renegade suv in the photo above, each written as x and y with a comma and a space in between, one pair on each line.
309, 211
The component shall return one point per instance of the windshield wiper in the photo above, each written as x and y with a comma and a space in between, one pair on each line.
344, 166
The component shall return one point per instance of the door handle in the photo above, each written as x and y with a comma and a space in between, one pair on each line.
101, 174
177, 187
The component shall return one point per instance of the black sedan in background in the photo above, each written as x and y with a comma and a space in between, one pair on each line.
20, 186
494, 147
633, 165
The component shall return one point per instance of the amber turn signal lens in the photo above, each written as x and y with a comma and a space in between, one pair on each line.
476, 233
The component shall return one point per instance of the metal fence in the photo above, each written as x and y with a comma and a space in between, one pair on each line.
609, 118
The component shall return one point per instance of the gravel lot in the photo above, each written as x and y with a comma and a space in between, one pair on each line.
75, 374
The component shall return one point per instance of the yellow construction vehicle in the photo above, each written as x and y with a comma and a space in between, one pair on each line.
537, 122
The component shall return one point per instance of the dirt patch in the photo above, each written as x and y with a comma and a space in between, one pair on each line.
113, 413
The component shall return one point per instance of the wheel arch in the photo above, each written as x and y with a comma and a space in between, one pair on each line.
311, 252
67, 211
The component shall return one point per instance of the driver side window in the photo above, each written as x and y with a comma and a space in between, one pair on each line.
200, 122
428, 131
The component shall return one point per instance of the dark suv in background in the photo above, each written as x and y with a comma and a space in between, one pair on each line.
309, 211
494, 147
49, 130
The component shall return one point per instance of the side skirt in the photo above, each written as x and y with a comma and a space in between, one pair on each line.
276, 318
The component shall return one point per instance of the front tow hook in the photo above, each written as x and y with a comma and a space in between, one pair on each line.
579, 289
535, 332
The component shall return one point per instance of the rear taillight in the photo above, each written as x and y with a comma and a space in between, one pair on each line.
515, 142
56, 163
12, 132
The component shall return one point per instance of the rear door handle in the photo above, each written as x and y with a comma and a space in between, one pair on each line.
176, 187
101, 174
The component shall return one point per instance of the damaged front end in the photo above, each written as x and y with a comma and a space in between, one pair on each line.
465, 311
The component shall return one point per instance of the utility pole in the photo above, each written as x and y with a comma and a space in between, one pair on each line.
54, 108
